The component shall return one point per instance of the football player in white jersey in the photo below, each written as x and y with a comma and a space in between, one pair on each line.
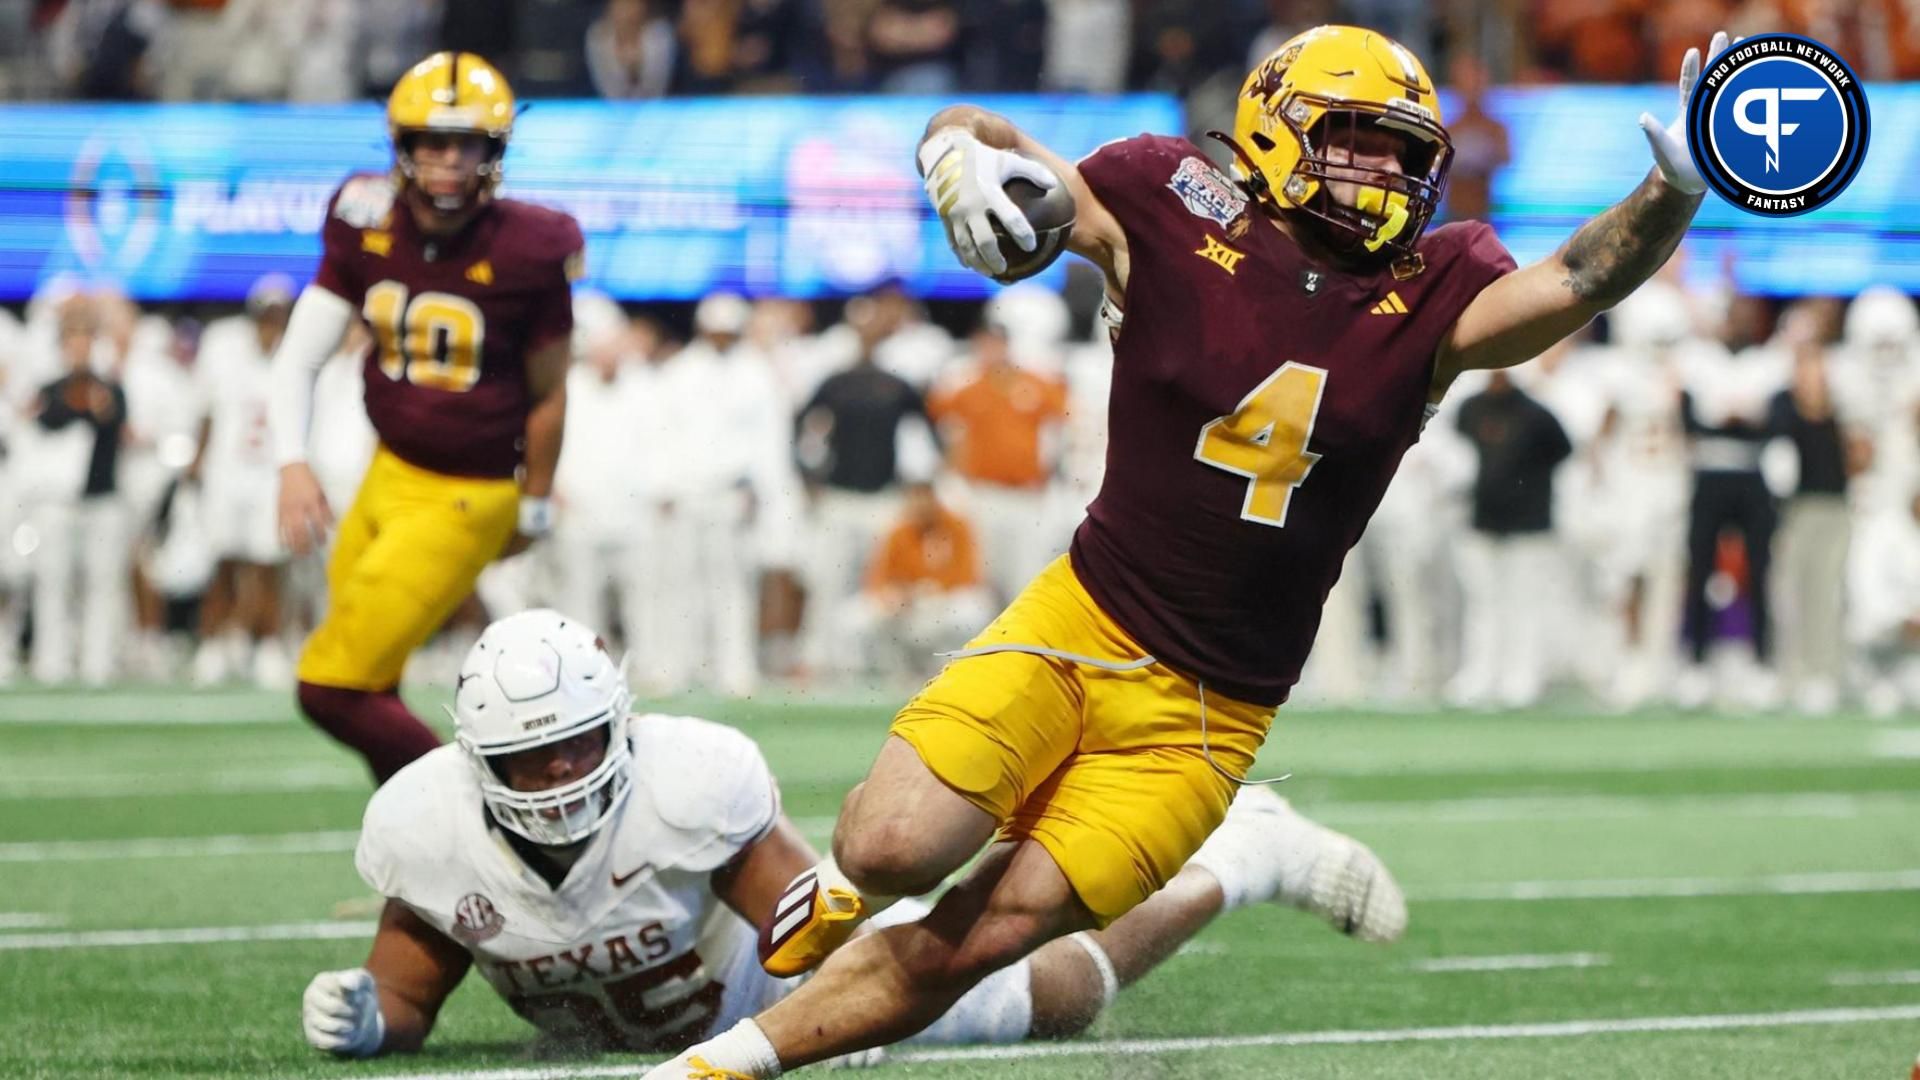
241, 619
604, 872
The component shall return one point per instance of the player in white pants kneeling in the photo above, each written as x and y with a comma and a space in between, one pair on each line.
606, 874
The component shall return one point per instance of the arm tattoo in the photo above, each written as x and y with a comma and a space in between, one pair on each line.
1612, 254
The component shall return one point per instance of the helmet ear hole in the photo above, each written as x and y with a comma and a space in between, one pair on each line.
1265, 144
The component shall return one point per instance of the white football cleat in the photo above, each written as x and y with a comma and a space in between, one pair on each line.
1267, 850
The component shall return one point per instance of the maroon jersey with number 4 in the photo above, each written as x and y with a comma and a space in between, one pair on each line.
1260, 405
453, 320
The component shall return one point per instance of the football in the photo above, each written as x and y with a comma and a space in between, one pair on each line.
1051, 213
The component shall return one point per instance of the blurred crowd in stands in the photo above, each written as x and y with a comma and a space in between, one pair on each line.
339, 50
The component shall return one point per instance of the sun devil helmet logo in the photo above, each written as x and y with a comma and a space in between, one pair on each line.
1778, 125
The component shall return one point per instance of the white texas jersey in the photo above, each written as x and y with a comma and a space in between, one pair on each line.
1644, 455
235, 377
632, 950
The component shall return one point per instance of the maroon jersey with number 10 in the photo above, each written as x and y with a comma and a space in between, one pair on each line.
453, 320
1260, 405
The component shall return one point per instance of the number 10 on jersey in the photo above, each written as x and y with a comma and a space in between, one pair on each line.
432, 341
1265, 440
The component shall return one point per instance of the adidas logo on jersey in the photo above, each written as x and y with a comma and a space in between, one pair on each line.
1392, 305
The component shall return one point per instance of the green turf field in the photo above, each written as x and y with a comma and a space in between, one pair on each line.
1652, 896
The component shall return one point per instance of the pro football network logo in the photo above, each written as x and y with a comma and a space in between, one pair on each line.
1778, 125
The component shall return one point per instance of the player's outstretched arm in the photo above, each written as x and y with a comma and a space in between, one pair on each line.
389, 1006
1519, 316
315, 329
964, 157
752, 883
546, 425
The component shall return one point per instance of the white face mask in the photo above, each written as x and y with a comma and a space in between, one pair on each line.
567, 814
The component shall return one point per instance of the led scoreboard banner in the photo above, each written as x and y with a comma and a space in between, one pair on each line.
798, 196
801, 196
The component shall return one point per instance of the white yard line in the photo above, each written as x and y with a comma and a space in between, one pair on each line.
329, 842
228, 781
1647, 888
28, 920
1606, 807
1518, 962
1116, 1048
1874, 978
190, 935
170, 706
163, 847
344, 776
1899, 743
1818, 804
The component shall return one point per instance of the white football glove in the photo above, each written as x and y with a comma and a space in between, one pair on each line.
964, 177
341, 1013
1669, 143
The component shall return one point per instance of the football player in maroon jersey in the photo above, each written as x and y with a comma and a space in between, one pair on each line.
469, 298
1281, 334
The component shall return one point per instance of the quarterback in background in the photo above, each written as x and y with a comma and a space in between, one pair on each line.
1280, 335
601, 871
469, 298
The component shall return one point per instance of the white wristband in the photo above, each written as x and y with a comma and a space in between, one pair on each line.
536, 516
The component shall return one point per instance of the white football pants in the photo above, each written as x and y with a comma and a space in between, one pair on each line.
1017, 534
1506, 585
699, 620
83, 564
845, 527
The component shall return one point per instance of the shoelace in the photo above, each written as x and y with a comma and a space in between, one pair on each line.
704, 1071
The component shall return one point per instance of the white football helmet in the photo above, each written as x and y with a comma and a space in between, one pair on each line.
537, 678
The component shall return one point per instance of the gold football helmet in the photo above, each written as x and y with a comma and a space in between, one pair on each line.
458, 93
1300, 99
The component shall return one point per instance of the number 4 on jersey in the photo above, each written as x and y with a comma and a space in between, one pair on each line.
1265, 440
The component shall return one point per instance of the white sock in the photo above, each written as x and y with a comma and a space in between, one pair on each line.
1248, 874
1224, 869
829, 876
998, 1010
741, 1048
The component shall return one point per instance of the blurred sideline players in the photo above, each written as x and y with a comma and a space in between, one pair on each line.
1001, 426
602, 871
924, 590
469, 300
240, 613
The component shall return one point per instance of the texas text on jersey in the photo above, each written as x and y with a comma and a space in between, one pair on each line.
1260, 404
453, 319
631, 950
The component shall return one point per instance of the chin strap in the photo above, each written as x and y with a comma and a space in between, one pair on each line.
1256, 181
